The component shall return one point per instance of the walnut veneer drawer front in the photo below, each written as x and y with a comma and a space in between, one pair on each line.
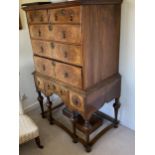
63, 33
67, 53
44, 66
76, 101
65, 15
37, 16
42, 48
69, 74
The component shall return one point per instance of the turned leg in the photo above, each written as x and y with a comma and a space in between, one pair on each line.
37, 140
40, 99
116, 106
50, 110
87, 127
73, 119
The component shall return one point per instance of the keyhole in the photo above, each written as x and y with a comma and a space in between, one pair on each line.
66, 74
63, 34
71, 18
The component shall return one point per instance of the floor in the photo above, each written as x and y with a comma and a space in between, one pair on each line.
120, 141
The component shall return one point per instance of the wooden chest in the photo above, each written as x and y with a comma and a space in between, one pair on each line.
76, 52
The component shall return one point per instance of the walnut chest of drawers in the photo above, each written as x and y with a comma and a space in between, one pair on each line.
76, 52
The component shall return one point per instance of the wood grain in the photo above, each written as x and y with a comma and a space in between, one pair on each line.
68, 53
65, 15
69, 74
44, 66
63, 33
42, 48
100, 31
37, 16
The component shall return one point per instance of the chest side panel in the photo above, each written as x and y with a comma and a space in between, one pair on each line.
100, 31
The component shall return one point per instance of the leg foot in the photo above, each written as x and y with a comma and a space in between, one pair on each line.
116, 108
37, 140
116, 125
88, 148
75, 140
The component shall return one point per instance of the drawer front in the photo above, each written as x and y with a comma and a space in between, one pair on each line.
65, 15
76, 101
63, 93
39, 83
63, 33
51, 87
42, 48
67, 53
44, 66
69, 74
37, 16
41, 31
66, 33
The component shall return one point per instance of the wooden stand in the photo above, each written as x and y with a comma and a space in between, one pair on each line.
87, 128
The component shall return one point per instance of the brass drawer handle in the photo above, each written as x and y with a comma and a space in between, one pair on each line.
53, 63
44, 68
50, 27
39, 33
71, 18
66, 75
54, 87
65, 54
48, 86
76, 101
41, 18
52, 45
38, 83
63, 34
42, 49
63, 12
61, 92
56, 17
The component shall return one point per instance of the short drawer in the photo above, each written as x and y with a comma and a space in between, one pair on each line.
42, 48
63, 94
65, 15
37, 16
67, 33
69, 74
67, 53
51, 87
76, 101
41, 31
44, 66
62, 33
48, 85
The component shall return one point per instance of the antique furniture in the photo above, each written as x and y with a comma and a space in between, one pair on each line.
76, 55
28, 130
